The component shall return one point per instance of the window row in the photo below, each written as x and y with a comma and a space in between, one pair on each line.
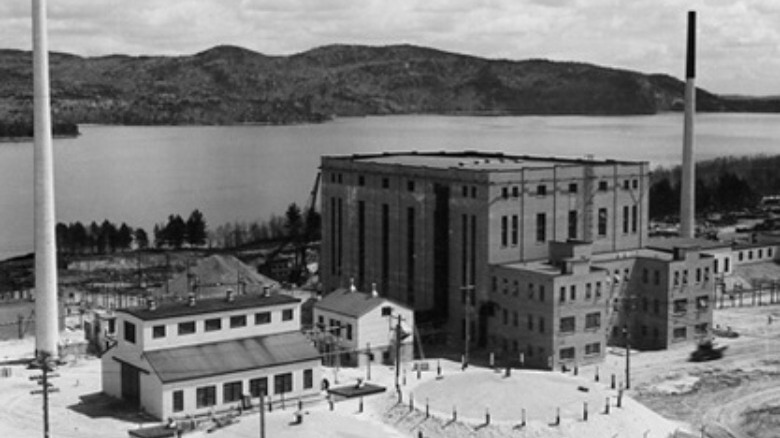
759, 254
569, 353
568, 324
541, 189
215, 324
206, 396
335, 326
569, 293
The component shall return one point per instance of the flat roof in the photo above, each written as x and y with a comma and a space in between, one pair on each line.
472, 160
669, 243
227, 357
207, 305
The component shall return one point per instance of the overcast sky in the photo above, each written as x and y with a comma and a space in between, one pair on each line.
739, 40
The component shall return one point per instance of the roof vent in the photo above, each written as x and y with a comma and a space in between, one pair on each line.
191, 300
374, 293
229, 297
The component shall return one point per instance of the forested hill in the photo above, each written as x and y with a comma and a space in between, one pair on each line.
226, 85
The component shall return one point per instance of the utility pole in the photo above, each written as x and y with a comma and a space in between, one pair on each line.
628, 356
468, 292
397, 350
262, 414
46, 364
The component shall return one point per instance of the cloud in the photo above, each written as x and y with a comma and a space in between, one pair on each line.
739, 42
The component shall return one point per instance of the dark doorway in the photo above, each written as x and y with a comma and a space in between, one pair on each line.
131, 384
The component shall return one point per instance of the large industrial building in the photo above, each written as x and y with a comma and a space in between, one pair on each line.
548, 257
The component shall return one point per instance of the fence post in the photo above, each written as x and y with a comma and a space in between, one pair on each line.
606, 407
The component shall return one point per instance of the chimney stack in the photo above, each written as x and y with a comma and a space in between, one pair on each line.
687, 188
229, 296
191, 300
151, 303
46, 329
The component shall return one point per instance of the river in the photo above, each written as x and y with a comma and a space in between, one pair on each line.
140, 175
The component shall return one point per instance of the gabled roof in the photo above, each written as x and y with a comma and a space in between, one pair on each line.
208, 305
215, 274
350, 303
227, 357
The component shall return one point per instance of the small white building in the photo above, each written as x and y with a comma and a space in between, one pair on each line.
363, 326
194, 357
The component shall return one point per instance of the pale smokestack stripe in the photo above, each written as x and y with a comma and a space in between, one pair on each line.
688, 195
46, 328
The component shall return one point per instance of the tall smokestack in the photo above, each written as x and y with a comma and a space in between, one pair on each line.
688, 192
46, 329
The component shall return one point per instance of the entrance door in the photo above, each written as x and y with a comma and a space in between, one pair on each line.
131, 384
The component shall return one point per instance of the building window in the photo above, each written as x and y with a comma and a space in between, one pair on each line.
679, 333
515, 226
598, 289
635, 183
349, 332
258, 387
213, 324
287, 314
562, 295
740, 256
700, 329
205, 396
572, 224
282, 383
158, 331
473, 191
593, 349
602, 222
178, 401
465, 191
726, 263
385, 183
541, 324
588, 291
530, 291
361, 180
541, 190
541, 293
750, 255
645, 275
530, 323
567, 324
265, 318
656, 306
339, 178
504, 230
505, 192
308, 379
702, 302
603, 186
567, 353
626, 184
573, 292
186, 328
760, 253
410, 185
680, 306
515, 192
572, 187
515, 319
129, 331
698, 275
237, 321
231, 391
625, 219
593, 320
656, 277
676, 279
634, 219
541, 227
